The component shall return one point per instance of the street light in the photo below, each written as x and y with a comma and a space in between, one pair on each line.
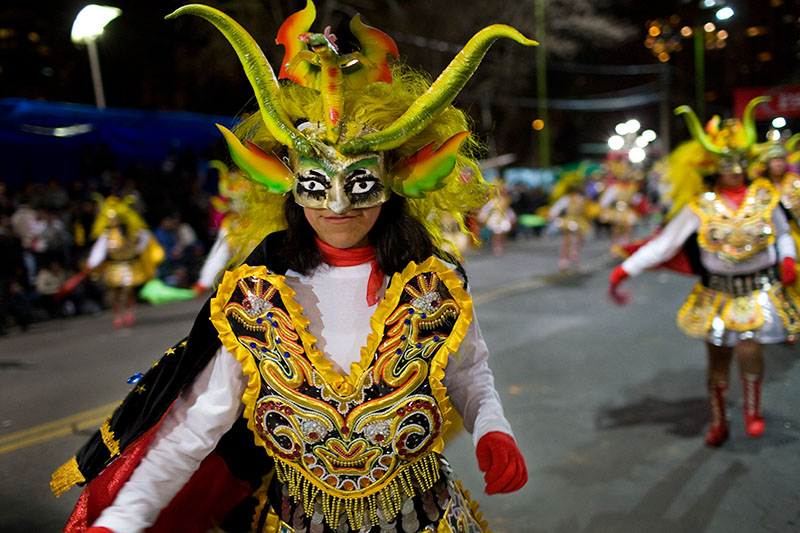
87, 28
649, 135
725, 13
616, 142
632, 126
636, 154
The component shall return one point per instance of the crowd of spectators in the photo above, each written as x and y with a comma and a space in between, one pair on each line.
45, 230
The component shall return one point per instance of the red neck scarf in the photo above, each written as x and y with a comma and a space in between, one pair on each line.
735, 194
352, 257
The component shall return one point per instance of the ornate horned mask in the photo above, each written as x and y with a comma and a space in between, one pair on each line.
340, 163
730, 139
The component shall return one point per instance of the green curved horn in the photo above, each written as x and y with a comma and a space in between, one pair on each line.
438, 96
792, 142
748, 122
258, 71
696, 129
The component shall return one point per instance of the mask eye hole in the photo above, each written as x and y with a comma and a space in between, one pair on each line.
361, 181
313, 181
363, 186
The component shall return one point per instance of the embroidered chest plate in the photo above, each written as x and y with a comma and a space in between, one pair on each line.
735, 236
120, 248
790, 194
363, 439
576, 206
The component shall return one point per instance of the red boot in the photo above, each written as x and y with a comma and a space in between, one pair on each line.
751, 400
718, 431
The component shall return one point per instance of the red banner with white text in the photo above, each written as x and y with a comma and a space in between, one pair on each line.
785, 101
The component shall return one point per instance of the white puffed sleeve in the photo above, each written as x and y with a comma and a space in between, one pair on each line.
191, 430
558, 207
98, 252
470, 385
783, 235
665, 245
216, 261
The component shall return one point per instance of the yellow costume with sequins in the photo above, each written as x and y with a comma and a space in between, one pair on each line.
737, 303
364, 447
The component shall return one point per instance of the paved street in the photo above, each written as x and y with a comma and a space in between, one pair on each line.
607, 404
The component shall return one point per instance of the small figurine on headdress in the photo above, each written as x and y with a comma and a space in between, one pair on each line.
735, 236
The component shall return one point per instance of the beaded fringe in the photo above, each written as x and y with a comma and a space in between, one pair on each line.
416, 478
65, 477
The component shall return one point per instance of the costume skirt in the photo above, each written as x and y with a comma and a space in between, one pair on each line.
124, 274
571, 224
728, 309
619, 214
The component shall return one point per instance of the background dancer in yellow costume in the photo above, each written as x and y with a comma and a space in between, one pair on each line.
774, 157
227, 209
570, 213
317, 396
126, 251
746, 259
621, 201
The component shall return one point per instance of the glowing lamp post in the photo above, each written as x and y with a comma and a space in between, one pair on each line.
86, 29
626, 139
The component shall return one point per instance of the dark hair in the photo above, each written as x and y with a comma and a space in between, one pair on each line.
397, 236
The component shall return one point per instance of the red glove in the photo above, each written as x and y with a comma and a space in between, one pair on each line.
788, 271
199, 288
615, 279
502, 461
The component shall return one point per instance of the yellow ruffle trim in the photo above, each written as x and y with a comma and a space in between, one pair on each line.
262, 497
273, 523
65, 477
444, 527
108, 438
787, 304
226, 288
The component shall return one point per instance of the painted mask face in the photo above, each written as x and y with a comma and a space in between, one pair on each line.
733, 164
340, 183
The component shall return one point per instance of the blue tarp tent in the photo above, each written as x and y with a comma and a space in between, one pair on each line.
44, 140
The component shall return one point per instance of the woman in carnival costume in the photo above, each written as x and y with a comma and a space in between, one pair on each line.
621, 203
126, 251
570, 214
498, 217
743, 252
227, 208
774, 156
317, 395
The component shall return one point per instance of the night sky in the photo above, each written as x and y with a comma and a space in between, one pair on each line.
150, 63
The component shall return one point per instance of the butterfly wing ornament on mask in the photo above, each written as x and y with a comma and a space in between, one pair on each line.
426, 169
260, 167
